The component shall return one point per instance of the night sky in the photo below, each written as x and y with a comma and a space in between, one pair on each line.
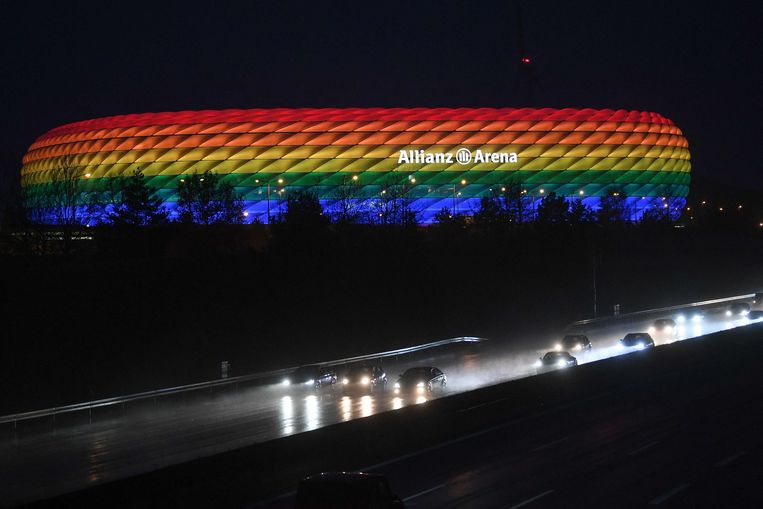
69, 61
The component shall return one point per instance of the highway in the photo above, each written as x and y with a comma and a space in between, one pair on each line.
43, 461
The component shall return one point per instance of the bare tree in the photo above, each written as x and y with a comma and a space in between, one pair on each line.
347, 207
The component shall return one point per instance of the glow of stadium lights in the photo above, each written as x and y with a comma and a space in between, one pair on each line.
463, 182
384, 191
87, 176
459, 194
739, 207
246, 214
413, 180
182, 180
665, 206
256, 181
542, 190
581, 192
503, 189
525, 60
280, 181
354, 177
720, 209
688, 208
703, 202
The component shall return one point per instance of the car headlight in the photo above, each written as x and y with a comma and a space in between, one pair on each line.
696, 318
669, 329
557, 347
639, 345
538, 364
310, 382
364, 380
286, 381
651, 329
620, 346
561, 364
745, 312
345, 381
419, 389
397, 385
578, 347
728, 313
420, 384
680, 319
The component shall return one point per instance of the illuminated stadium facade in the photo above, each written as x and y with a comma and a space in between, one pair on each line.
440, 158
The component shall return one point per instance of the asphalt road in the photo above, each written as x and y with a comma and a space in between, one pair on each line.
46, 461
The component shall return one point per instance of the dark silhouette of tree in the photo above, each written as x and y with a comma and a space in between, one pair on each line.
553, 209
579, 213
393, 206
206, 199
136, 204
446, 218
347, 206
490, 213
612, 208
303, 210
513, 201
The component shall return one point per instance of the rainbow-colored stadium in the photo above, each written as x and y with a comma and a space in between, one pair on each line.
444, 158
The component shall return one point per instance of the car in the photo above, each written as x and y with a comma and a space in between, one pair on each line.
738, 309
690, 315
420, 379
757, 300
555, 360
574, 342
311, 376
356, 490
756, 314
365, 377
637, 340
664, 327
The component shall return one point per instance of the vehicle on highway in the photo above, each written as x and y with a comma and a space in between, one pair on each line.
365, 378
690, 315
637, 340
574, 343
756, 314
738, 309
420, 379
311, 376
340, 490
664, 328
555, 360
757, 300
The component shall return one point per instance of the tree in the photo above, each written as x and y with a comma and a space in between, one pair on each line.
206, 199
513, 200
346, 208
553, 209
393, 207
579, 213
490, 212
612, 208
303, 210
136, 204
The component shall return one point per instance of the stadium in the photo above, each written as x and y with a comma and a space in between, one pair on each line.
435, 158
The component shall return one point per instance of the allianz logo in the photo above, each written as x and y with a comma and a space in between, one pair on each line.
462, 156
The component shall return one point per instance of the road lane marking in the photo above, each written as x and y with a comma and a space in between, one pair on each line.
729, 459
643, 448
549, 444
662, 498
420, 493
531, 500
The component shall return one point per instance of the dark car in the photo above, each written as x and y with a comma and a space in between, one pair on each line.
311, 376
757, 300
664, 327
366, 378
637, 340
555, 360
738, 309
346, 490
420, 379
574, 343
755, 315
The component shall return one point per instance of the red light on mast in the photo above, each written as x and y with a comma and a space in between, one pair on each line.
525, 60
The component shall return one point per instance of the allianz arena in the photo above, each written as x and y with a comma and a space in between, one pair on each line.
442, 157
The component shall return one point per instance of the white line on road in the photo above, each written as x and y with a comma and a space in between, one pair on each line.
662, 498
643, 448
549, 444
729, 459
420, 493
530, 500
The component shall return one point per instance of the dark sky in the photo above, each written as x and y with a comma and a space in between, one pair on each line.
68, 61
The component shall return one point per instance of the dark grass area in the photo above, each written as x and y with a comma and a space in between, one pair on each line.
137, 311
724, 361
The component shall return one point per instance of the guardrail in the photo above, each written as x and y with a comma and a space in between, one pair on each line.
663, 310
118, 400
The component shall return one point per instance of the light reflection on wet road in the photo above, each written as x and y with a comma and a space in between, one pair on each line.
43, 464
